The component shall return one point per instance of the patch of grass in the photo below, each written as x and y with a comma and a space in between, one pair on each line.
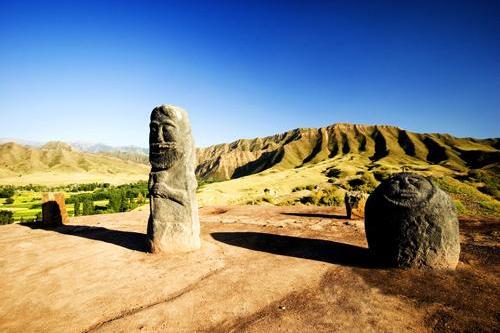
490, 182
461, 210
204, 182
309, 187
472, 201
366, 183
330, 196
268, 199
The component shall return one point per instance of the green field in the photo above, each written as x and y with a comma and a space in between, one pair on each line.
105, 198
27, 205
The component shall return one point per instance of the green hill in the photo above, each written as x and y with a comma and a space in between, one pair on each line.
376, 147
278, 169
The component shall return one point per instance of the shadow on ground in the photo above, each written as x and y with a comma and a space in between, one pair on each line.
323, 216
127, 239
306, 248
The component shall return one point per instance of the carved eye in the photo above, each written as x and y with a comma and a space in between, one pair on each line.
168, 133
413, 181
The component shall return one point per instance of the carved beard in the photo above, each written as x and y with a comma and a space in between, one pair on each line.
163, 155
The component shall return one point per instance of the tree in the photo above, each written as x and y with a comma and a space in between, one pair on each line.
88, 207
140, 199
9, 201
7, 192
77, 207
6, 217
114, 201
124, 205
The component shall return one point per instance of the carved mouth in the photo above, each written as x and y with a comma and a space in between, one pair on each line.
164, 145
407, 194
402, 198
162, 148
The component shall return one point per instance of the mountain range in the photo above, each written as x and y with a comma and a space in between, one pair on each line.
59, 163
349, 148
90, 147
315, 165
376, 147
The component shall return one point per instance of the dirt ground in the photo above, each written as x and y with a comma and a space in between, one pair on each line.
260, 269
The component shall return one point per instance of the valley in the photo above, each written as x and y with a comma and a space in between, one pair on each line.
301, 166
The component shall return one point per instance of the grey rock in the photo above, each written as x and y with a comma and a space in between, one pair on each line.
410, 222
173, 224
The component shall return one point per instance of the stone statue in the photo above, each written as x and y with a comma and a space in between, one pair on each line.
173, 224
54, 209
351, 200
410, 222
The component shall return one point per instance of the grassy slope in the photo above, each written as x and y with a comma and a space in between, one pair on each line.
302, 157
248, 189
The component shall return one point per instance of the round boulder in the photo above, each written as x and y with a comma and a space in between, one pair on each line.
410, 222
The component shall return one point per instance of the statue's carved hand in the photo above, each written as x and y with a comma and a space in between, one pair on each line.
163, 191
156, 190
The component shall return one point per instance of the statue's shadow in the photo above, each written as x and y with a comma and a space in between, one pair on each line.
318, 215
306, 248
128, 239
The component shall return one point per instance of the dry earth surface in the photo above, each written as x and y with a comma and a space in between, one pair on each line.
293, 269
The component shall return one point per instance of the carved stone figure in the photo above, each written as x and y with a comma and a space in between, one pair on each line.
54, 209
173, 224
351, 200
410, 222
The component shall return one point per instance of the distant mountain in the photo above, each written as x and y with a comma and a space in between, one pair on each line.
60, 159
30, 143
127, 153
374, 148
83, 146
102, 148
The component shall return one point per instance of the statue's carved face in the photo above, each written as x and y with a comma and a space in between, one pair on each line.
408, 190
165, 146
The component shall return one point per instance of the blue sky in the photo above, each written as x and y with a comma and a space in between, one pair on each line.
93, 70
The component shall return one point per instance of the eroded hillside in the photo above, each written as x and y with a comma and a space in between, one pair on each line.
316, 166
377, 146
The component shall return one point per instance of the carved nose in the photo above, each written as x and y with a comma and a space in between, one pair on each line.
159, 135
405, 183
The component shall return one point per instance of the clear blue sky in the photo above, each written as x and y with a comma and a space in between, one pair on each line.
93, 70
